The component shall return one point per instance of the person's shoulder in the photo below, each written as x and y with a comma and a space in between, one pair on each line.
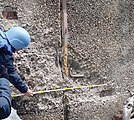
5, 55
1, 42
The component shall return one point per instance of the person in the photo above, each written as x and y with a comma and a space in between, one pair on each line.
16, 38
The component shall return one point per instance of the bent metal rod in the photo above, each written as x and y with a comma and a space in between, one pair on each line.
60, 89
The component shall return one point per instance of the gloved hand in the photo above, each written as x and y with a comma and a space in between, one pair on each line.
3, 72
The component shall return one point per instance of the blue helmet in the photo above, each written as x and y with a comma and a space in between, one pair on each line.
18, 37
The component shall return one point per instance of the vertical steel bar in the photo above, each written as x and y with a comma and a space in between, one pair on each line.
65, 37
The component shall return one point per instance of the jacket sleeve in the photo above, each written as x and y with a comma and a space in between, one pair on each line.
14, 78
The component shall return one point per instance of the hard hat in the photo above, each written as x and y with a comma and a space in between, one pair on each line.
18, 37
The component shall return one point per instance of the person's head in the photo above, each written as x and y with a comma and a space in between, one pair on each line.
18, 38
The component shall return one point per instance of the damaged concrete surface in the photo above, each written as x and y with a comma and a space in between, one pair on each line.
100, 47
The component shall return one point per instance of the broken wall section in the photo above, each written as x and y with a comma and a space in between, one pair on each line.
101, 48
41, 20
37, 65
101, 41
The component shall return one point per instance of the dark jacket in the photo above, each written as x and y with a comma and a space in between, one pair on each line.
5, 98
6, 59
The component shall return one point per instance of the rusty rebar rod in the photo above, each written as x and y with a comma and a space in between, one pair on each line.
65, 37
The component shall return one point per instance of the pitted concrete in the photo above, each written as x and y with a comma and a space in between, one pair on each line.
100, 47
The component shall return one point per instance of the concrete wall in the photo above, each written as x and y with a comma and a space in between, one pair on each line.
39, 63
100, 48
101, 40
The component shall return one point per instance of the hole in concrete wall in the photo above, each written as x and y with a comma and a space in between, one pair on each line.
10, 12
108, 92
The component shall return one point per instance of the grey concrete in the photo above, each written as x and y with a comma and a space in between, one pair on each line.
100, 48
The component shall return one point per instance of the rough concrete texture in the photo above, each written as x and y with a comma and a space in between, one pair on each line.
100, 48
